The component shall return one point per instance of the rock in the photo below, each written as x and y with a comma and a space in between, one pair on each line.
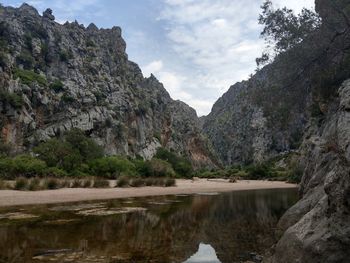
48, 14
102, 92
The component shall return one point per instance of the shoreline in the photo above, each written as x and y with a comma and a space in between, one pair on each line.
68, 195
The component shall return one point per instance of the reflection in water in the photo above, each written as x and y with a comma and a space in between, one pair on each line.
156, 229
205, 254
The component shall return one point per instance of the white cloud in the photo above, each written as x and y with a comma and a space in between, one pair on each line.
152, 68
219, 39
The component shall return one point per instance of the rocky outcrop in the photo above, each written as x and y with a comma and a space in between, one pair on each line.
56, 77
317, 227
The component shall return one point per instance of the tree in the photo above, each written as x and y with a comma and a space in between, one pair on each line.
284, 30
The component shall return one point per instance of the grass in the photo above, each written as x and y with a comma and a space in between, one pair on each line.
21, 183
169, 182
137, 182
34, 184
122, 181
51, 183
101, 183
3, 185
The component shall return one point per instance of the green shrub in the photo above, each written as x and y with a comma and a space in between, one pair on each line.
29, 77
122, 181
28, 166
181, 165
55, 172
13, 99
158, 181
101, 183
51, 183
137, 182
67, 98
111, 167
65, 55
160, 168
169, 182
21, 183
3, 60
149, 181
25, 59
34, 184
57, 86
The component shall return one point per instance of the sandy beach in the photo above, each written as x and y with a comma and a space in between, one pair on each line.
12, 198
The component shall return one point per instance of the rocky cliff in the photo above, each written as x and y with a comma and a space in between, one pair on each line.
55, 77
300, 104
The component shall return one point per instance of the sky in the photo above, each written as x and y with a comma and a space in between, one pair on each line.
196, 48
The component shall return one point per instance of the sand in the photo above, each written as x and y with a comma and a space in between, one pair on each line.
12, 198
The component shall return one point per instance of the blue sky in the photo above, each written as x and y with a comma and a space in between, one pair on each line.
196, 48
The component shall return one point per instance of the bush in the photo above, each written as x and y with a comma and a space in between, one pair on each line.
29, 77
3, 185
57, 86
54, 172
160, 168
76, 184
51, 184
169, 182
158, 182
28, 166
13, 99
111, 167
101, 183
181, 165
34, 184
25, 59
149, 181
137, 182
122, 181
21, 183
87, 183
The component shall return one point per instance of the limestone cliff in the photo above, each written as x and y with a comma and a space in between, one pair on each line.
299, 103
55, 77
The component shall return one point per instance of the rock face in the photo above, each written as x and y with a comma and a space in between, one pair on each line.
301, 103
55, 77
319, 228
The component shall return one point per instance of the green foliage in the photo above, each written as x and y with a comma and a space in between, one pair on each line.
90, 43
55, 172
112, 167
25, 59
159, 168
70, 152
181, 165
13, 99
283, 29
65, 55
3, 59
28, 77
57, 86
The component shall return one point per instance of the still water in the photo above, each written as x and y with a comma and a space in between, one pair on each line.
228, 227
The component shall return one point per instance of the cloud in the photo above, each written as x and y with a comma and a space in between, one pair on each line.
153, 67
218, 39
68, 10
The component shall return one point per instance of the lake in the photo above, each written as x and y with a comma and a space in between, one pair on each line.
208, 228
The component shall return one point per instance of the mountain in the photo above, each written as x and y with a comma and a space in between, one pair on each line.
299, 106
57, 77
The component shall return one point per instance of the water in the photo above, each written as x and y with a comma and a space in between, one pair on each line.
229, 227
